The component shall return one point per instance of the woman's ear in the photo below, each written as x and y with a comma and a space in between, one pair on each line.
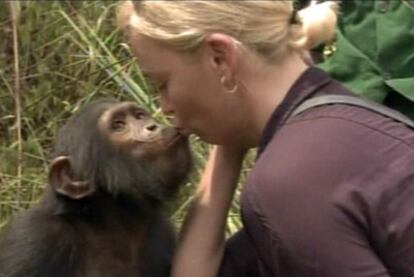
62, 181
221, 50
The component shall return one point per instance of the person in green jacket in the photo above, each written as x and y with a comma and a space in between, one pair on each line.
374, 54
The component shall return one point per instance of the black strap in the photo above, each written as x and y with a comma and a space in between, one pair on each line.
354, 101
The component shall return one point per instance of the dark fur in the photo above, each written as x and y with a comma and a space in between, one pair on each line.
117, 231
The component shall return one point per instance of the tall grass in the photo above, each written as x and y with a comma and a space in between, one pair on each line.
62, 54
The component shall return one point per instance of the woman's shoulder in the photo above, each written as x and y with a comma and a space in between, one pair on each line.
336, 140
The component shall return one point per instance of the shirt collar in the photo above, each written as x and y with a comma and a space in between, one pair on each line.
306, 86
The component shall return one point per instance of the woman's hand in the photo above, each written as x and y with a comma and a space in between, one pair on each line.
202, 237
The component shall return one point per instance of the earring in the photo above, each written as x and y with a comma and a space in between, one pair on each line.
232, 90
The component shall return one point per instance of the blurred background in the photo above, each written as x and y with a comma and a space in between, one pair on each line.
54, 57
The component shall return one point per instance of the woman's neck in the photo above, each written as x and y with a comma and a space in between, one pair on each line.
266, 87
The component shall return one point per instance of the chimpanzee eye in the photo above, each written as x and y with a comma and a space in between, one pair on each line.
118, 125
138, 114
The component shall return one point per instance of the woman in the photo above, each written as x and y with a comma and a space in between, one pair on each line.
331, 192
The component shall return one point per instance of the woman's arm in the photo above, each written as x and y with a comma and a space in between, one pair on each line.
202, 238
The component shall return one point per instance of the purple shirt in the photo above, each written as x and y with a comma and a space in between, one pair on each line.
331, 193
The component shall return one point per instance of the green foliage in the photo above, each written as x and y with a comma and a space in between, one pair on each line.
69, 52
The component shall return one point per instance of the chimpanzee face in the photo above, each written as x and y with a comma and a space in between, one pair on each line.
116, 147
131, 130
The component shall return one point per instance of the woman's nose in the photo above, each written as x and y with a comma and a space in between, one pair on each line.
166, 108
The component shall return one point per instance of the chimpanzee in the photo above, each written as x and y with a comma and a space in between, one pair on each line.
101, 216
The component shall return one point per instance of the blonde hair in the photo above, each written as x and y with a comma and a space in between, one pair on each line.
264, 26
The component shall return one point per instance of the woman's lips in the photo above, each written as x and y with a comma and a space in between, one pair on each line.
183, 132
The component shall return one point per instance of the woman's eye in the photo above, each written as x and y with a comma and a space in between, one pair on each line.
118, 125
162, 87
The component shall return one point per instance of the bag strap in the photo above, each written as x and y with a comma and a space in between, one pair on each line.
354, 101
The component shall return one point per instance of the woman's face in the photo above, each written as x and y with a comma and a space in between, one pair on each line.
189, 89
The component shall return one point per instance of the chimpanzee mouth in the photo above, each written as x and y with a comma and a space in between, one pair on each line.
174, 139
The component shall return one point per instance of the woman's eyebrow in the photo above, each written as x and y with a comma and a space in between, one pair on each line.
153, 76
149, 71
148, 74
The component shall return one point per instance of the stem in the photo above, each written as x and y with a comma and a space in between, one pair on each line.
14, 12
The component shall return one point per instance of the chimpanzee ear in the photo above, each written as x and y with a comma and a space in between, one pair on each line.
62, 181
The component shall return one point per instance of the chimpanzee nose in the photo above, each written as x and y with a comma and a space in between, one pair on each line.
151, 127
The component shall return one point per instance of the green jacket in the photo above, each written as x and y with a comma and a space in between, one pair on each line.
374, 54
